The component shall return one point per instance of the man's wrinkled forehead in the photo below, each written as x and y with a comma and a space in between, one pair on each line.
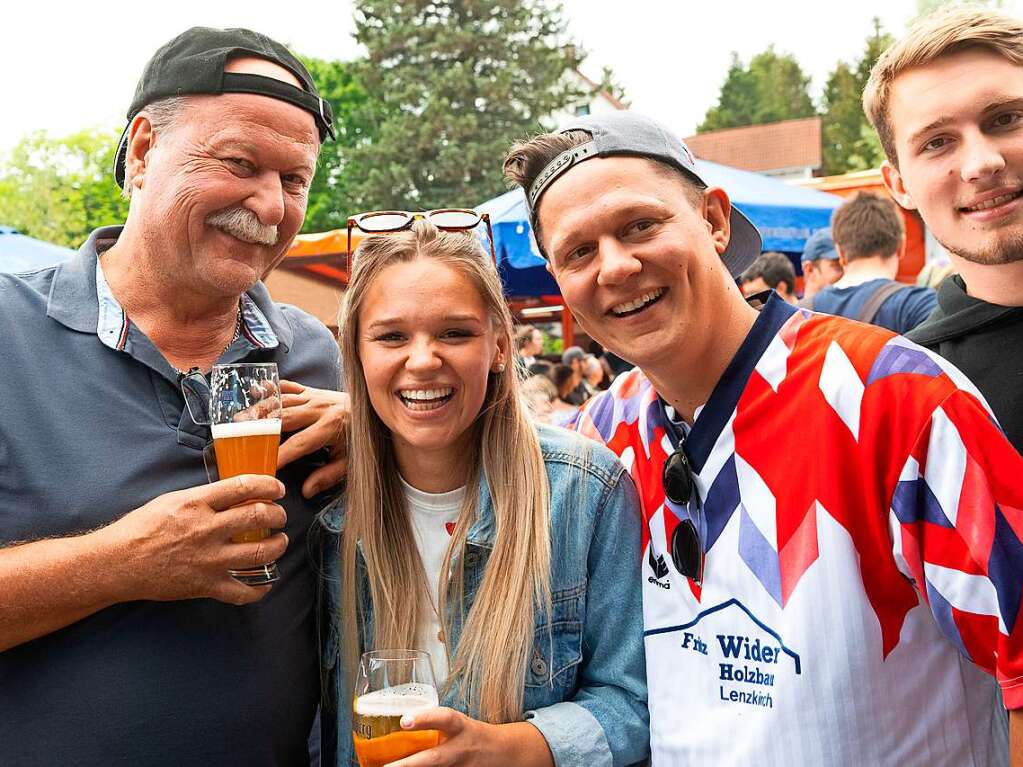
253, 65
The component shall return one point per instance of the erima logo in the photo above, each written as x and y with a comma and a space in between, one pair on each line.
660, 570
657, 565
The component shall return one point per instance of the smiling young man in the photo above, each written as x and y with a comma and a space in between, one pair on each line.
831, 552
947, 103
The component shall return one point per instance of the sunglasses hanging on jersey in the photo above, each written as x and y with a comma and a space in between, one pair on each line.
685, 549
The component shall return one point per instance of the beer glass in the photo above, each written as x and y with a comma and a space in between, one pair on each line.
390, 684
245, 418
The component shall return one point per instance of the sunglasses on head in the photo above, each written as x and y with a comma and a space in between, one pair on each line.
686, 552
445, 219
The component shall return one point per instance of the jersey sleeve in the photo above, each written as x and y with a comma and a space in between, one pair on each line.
957, 525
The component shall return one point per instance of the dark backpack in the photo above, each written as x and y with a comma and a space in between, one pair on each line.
878, 297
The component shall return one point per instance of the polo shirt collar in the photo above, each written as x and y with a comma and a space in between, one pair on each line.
81, 300
264, 324
72, 300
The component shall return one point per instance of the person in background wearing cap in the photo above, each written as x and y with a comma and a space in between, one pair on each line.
123, 640
821, 266
831, 556
946, 104
575, 358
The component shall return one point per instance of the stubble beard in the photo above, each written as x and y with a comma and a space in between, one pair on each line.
1005, 249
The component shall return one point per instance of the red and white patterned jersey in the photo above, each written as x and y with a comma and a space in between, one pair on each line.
861, 514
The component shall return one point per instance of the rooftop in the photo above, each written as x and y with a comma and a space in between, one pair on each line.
760, 148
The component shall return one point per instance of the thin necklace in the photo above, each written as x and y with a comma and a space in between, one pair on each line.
234, 337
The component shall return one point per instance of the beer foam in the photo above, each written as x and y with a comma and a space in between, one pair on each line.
397, 701
258, 428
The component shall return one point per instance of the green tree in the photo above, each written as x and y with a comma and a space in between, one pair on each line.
847, 137
927, 7
773, 87
737, 102
842, 118
454, 83
867, 152
609, 84
553, 344
331, 193
60, 189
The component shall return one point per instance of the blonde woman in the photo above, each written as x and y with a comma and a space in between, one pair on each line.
536, 635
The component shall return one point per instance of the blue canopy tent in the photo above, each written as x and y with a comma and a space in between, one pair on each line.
785, 215
523, 270
20, 253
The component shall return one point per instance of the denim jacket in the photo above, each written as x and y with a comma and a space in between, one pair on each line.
585, 690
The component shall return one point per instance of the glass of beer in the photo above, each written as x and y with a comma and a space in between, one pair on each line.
245, 418
392, 683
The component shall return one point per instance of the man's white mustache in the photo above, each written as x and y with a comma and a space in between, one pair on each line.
243, 224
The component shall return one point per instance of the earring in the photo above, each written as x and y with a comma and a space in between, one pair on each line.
500, 367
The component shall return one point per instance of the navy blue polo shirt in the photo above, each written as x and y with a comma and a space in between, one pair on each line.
93, 425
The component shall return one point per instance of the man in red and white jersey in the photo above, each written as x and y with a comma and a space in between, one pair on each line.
833, 568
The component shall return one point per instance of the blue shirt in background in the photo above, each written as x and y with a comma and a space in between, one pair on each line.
901, 312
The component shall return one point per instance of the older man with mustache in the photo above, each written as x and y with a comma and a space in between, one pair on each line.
123, 639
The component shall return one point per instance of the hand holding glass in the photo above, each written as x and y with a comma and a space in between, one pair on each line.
245, 418
391, 684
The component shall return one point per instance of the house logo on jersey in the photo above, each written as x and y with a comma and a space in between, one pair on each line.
660, 570
746, 662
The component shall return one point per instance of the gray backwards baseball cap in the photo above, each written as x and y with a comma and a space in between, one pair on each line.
631, 134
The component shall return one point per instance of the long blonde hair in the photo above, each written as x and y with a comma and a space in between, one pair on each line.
488, 667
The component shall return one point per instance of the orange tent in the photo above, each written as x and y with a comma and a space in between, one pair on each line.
322, 254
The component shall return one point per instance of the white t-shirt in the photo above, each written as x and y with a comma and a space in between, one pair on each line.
433, 518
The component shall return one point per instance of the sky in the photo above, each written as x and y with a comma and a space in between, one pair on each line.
68, 66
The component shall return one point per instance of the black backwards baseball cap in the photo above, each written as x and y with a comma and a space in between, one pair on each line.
631, 134
193, 63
